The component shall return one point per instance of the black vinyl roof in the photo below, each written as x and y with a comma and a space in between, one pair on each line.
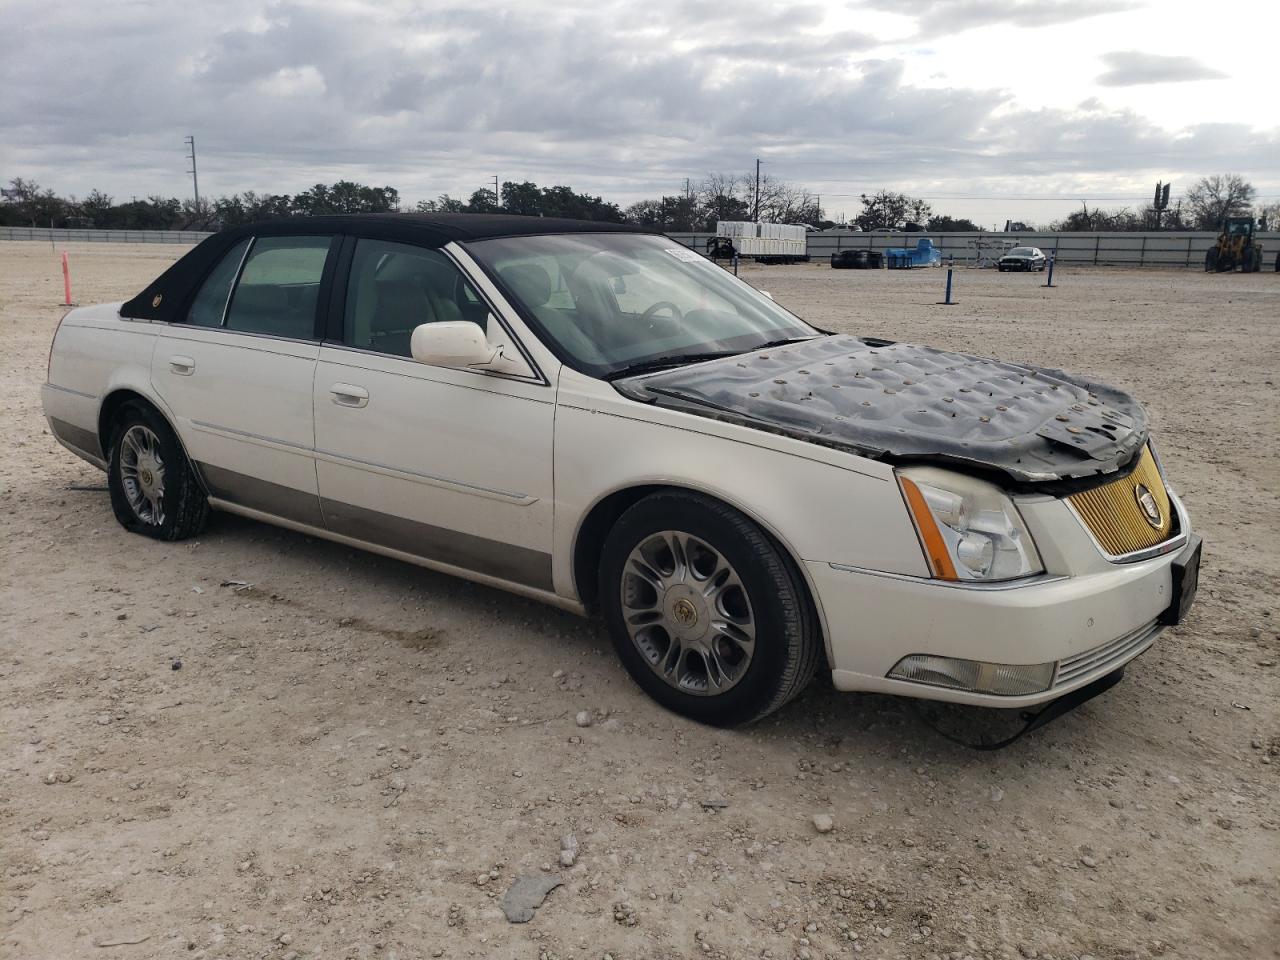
166, 298
432, 228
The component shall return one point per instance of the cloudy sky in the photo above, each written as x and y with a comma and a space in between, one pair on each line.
989, 108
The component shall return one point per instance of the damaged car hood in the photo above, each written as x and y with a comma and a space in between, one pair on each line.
898, 401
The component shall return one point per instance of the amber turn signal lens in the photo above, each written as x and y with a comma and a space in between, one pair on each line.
935, 548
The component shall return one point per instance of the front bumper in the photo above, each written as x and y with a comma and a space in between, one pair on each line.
1089, 623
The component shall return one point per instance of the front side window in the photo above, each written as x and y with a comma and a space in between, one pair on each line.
612, 303
394, 287
279, 287
210, 304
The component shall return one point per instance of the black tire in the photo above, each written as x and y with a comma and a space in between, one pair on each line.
185, 507
788, 641
1211, 260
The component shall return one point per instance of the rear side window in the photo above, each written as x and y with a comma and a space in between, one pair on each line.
279, 287
211, 302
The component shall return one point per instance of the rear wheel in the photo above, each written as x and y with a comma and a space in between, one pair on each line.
1210, 261
154, 491
707, 614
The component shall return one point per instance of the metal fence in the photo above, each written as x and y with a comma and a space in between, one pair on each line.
1111, 249
68, 235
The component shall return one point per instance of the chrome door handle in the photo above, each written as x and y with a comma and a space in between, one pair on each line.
182, 366
349, 395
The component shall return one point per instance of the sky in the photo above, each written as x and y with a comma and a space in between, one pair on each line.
990, 109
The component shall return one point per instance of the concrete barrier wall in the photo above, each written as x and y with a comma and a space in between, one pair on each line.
1112, 249
101, 236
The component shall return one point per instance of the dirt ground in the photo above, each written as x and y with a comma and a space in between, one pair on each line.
358, 757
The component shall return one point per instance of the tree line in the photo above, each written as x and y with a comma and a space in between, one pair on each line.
718, 196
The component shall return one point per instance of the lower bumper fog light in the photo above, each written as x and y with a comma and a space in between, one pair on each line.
974, 676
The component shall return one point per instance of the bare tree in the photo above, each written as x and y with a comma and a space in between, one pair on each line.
722, 196
782, 202
1213, 199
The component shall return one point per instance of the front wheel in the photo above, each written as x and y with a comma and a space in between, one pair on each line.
1211, 261
154, 491
706, 612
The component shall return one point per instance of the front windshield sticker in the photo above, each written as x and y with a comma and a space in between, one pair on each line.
684, 253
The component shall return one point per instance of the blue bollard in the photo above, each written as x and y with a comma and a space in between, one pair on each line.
1049, 281
948, 301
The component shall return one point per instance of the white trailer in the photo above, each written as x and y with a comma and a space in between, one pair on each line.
764, 242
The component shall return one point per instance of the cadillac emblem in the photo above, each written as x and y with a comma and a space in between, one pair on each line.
155, 301
1148, 505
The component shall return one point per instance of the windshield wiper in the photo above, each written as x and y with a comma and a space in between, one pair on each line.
778, 343
665, 363
681, 359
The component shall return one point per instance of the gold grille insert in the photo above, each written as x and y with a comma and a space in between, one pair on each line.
1117, 513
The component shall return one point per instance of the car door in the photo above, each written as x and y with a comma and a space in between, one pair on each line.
452, 466
238, 375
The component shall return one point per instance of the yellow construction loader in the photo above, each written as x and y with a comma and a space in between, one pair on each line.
1235, 247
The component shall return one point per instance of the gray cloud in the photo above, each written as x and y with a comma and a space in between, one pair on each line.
1131, 68
936, 18
283, 94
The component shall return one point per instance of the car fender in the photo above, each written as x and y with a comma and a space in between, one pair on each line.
819, 504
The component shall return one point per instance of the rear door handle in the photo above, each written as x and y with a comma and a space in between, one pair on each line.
349, 395
182, 366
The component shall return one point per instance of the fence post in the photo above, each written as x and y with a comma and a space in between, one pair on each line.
1142, 254
1188, 264
1097, 242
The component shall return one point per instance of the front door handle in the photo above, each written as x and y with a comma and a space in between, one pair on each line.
349, 395
182, 366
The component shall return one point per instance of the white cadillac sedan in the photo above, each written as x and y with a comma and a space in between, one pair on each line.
596, 417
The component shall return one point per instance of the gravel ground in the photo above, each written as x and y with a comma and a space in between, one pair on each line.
358, 757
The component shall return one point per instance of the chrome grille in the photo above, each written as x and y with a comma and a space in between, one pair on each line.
1114, 653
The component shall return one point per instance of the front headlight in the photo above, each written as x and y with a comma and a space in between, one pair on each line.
969, 529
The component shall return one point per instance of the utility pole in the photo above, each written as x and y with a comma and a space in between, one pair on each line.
756, 215
688, 191
497, 197
195, 180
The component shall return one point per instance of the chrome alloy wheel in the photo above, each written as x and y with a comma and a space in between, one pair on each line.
142, 474
688, 613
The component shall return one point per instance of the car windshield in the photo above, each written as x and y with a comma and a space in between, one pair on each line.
1023, 252
611, 304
